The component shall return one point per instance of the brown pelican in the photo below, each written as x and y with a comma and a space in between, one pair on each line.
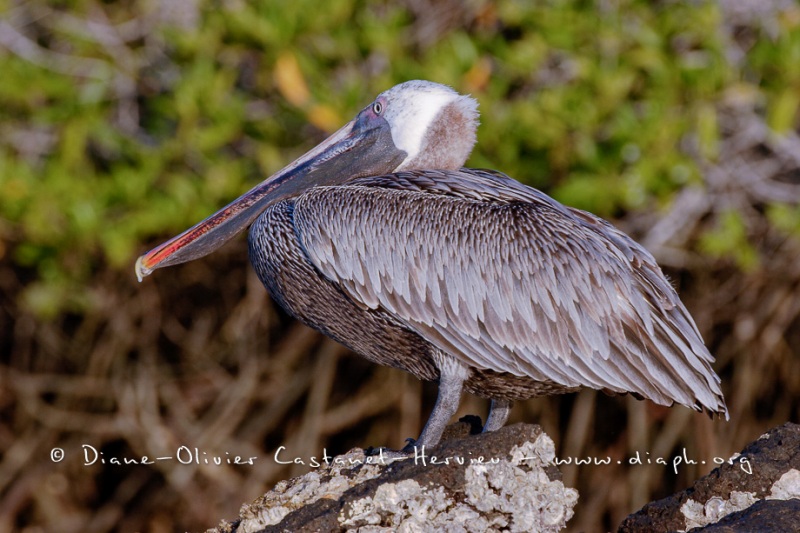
380, 239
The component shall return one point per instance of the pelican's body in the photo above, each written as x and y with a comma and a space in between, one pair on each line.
459, 276
280, 244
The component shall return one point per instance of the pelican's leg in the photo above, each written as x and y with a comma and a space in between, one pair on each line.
498, 414
451, 382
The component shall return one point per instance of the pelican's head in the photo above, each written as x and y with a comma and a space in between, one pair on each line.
412, 126
433, 124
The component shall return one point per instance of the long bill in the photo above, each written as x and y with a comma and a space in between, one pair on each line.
359, 148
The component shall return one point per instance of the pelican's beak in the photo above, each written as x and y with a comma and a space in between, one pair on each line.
363, 147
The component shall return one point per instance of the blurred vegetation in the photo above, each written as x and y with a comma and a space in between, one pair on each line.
123, 123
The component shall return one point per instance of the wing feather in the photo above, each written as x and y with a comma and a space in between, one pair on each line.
505, 278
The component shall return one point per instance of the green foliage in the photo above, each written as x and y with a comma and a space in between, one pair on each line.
785, 217
118, 148
774, 63
729, 239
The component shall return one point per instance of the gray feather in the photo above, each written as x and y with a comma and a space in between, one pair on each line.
505, 279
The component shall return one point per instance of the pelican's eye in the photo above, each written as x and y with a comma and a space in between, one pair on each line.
377, 108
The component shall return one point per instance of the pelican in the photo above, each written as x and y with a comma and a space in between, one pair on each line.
381, 240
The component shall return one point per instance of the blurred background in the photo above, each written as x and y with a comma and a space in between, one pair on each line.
123, 123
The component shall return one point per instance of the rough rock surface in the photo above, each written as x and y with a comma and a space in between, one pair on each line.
505, 480
758, 490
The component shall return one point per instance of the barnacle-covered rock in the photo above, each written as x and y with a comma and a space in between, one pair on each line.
758, 490
504, 480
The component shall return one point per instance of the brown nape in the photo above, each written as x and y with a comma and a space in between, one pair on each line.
448, 141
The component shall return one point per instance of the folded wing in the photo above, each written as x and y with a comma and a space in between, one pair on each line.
504, 278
